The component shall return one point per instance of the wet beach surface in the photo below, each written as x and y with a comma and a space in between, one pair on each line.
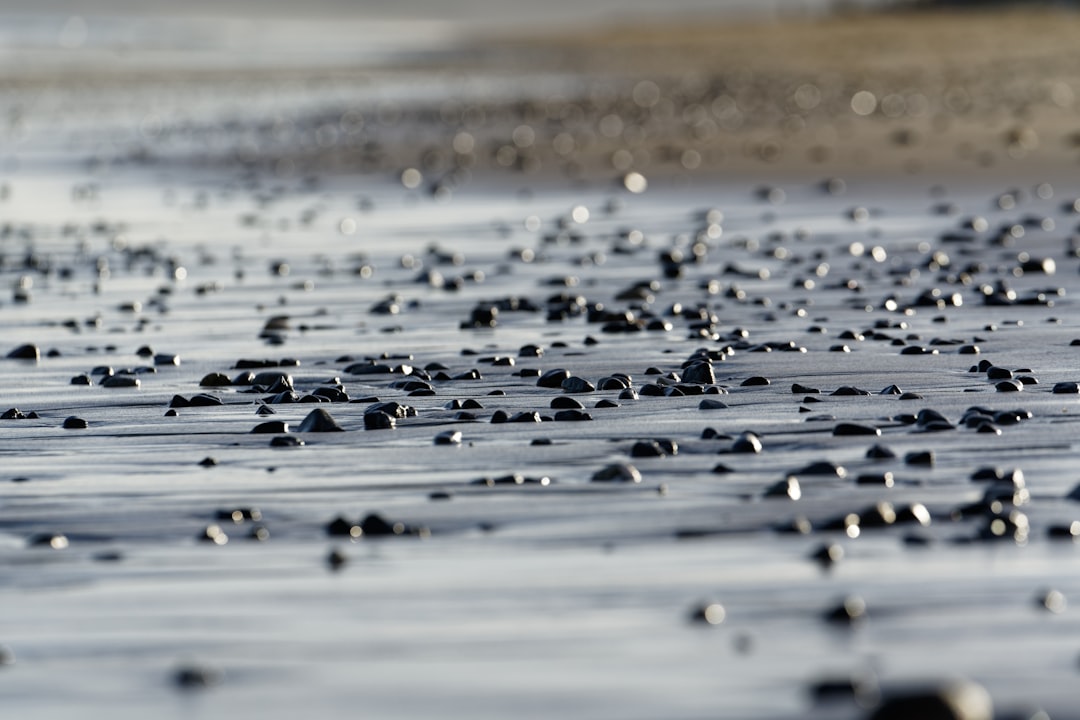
708, 391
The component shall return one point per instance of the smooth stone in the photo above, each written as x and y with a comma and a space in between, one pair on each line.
1066, 388
273, 380
998, 373
711, 404
881, 479
25, 352
364, 368
910, 396
271, 426
747, 442
75, 423
448, 437
647, 448
553, 378
628, 394
393, 409
892, 390
565, 403
788, 488
1009, 386
699, 374
850, 611
499, 416
605, 403
755, 381
527, 416
880, 452
120, 381
923, 458
196, 677
572, 416
822, 468
958, 700
379, 420
849, 391
577, 385
319, 420
82, 380
798, 389
215, 379
617, 472
846, 429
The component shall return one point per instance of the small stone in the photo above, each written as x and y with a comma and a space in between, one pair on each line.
378, 421
319, 420
882, 479
708, 614
553, 378
196, 677
448, 437
577, 385
75, 423
823, 468
1053, 600
958, 700
566, 403
850, 611
755, 381
271, 426
699, 374
572, 416
880, 452
82, 380
923, 458
120, 381
849, 391
828, 555
53, 541
747, 442
788, 488
892, 390
617, 472
711, 404
25, 352
1066, 388
215, 379
336, 559
1009, 386
646, 449
214, 534
855, 429
798, 389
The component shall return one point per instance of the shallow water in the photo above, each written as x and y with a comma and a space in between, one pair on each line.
573, 598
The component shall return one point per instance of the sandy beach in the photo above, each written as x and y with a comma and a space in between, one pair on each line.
642, 370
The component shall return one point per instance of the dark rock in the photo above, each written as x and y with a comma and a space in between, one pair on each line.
617, 472
849, 391
448, 437
798, 389
1066, 388
850, 611
196, 677
572, 416
271, 426
525, 417
379, 420
711, 404
553, 378
845, 429
891, 390
1009, 386
393, 409
25, 352
215, 379
82, 380
577, 385
75, 423
924, 458
880, 479
747, 442
605, 404
646, 449
880, 452
823, 468
960, 700
998, 373
318, 420
755, 381
286, 441
628, 394
120, 381
566, 403
788, 488
208, 462
828, 555
700, 374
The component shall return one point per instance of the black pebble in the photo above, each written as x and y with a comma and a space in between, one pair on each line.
448, 437
566, 403
82, 380
1009, 386
755, 381
747, 442
25, 352
75, 423
845, 429
924, 458
553, 378
880, 452
378, 421
572, 416
318, 420
798, 389
1066, 388
271, 426
195, 677
711, 404
960, 700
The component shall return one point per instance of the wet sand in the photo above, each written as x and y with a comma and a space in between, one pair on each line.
743, 245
